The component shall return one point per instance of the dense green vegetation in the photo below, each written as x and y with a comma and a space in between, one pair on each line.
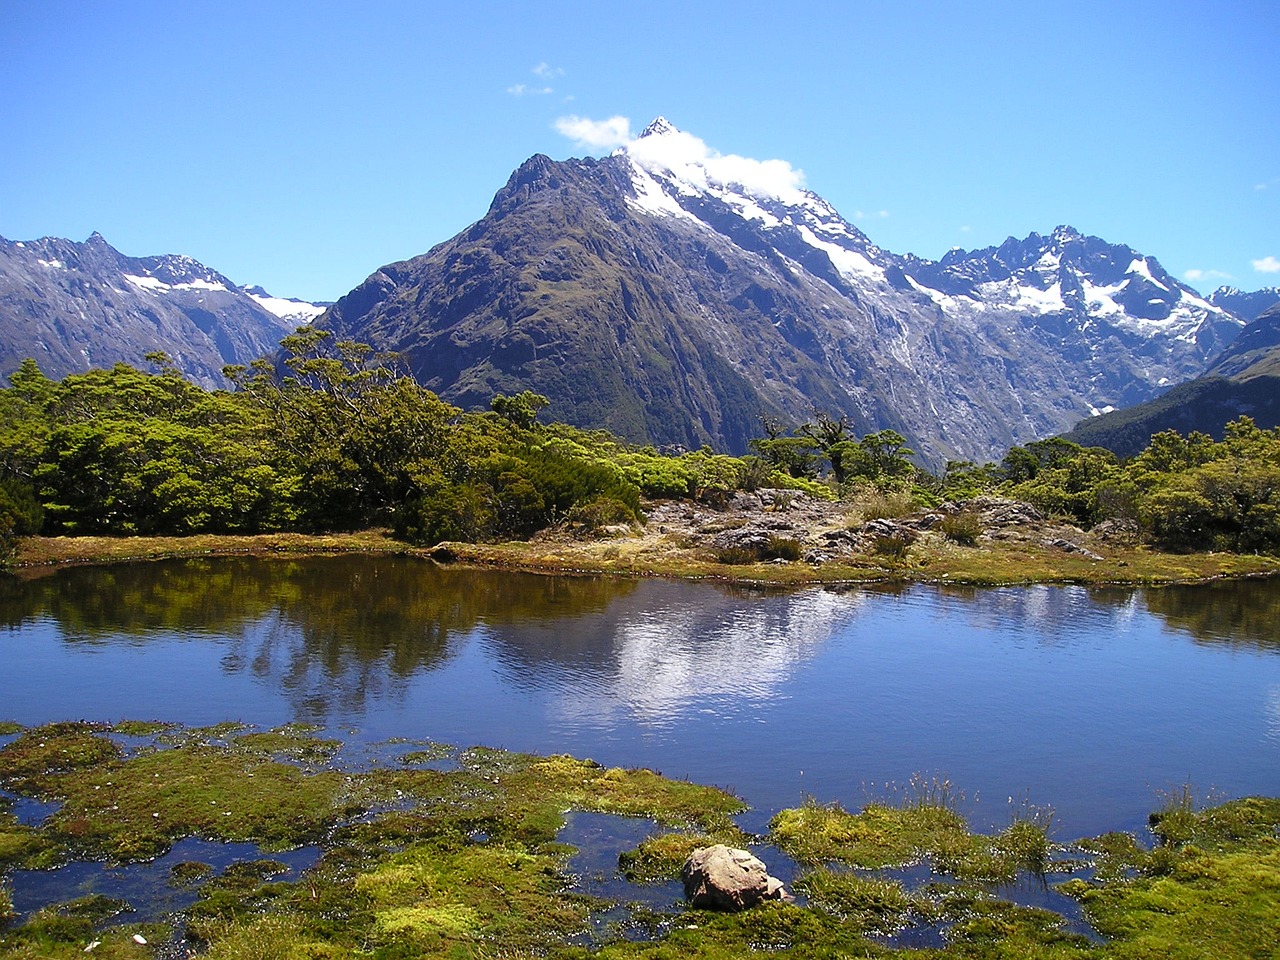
337, 438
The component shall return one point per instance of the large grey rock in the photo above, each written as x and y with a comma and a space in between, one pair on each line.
726, 878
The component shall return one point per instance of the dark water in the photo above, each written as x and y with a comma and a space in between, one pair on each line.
1088, 701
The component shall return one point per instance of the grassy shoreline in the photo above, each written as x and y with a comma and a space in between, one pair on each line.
931, 561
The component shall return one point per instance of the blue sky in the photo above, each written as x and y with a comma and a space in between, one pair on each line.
303, 145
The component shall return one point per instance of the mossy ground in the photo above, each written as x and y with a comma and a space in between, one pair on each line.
465, 862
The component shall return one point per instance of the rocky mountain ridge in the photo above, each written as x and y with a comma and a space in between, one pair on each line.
675, 296
72, 306
1244, 380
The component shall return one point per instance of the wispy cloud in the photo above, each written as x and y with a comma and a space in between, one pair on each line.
1196, 275
545, 74
1267, 184
524, 90
595, 134
880, 215
1266, 265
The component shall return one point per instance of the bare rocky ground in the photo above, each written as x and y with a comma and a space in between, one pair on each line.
817, 531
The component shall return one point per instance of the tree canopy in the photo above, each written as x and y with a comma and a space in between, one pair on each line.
334, 436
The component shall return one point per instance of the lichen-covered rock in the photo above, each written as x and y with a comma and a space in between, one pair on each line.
726, 878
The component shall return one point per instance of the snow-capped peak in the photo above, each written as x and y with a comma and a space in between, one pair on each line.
691, 167
676, 174
660, 127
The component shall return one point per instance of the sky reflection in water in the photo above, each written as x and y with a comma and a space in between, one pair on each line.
1089, 701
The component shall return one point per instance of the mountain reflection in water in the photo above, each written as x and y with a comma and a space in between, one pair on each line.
1090, 700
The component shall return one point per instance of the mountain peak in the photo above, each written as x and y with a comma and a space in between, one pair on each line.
660, 127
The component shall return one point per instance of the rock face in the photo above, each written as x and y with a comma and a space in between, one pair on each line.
726, 878
673, 301
75, 306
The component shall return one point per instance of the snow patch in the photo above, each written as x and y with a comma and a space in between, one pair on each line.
288, 309
651, 198
52, 264
847, 262
147, 283
156, 286
1143, 269
1099, 300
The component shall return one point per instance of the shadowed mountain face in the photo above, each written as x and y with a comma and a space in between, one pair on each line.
72, 306
658, 294
1244, 380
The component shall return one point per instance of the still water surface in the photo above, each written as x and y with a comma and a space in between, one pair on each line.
1089, 701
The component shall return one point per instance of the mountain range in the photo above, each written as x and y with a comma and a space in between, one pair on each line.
676, 297
72, 306
1243, 380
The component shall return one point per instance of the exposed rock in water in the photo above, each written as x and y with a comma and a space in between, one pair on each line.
726, 878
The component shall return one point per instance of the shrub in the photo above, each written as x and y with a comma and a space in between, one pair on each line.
601, 512
874, 504
781, 548
963, 528
892, 546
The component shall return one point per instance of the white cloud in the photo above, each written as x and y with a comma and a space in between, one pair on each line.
873, 215
1267, 265
1267, 184
545, 71
688, 158
692, 161
1196, 275
595, 134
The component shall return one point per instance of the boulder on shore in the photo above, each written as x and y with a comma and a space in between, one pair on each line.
726, 878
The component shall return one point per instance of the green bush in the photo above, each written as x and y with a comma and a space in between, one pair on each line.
601, 512
964, 527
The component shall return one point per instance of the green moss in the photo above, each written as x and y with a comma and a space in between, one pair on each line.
870, 904
292, 742
32, 763
8, 727
467, 863
189, 873
427, 752
885, 836
429, 897
1211, 888
21, 845
134, 809
662, 857
141, 728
